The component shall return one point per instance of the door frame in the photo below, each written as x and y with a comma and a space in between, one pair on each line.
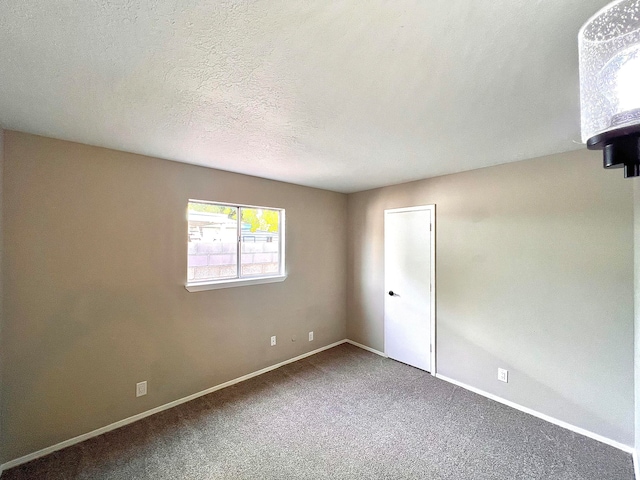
432, 319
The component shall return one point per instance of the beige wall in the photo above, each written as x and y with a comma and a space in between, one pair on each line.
636, 233
1, 281
95, 267
534, 274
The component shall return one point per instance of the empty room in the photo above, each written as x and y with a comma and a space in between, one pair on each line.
305, 240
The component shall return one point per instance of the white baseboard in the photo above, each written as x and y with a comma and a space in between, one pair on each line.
369, 349
140, 416
560, 423
148, 413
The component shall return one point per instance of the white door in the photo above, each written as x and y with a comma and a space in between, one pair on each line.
409, 269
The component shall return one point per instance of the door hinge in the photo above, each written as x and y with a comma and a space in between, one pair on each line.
431, 227
430, 348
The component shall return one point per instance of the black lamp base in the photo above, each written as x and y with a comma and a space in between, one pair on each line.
621, 148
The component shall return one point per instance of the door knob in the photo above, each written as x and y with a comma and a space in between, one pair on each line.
391, 294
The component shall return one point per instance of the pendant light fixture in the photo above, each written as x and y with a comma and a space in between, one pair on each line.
609, 45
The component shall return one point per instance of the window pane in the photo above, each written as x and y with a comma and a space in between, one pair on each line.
260, 241
213, 242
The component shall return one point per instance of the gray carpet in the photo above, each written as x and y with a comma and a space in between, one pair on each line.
343, 413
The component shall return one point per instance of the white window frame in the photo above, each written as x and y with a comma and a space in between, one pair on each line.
239, 281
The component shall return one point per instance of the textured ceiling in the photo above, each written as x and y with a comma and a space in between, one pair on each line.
344, 95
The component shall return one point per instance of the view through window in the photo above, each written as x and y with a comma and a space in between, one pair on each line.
218, 231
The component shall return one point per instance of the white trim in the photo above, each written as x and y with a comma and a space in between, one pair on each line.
433, 314
175, 403
555, 421
369, 349
234, 282
434, 366
636, 467
227, 204
148, 413
409, 209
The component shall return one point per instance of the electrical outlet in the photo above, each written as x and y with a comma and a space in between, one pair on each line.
273, 341
141, 389
311, 336
503, 375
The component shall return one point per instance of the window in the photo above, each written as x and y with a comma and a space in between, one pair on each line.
233, 245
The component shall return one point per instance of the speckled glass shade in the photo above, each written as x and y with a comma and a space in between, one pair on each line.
610, 69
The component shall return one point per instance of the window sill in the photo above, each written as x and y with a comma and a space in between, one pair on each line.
236, 282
